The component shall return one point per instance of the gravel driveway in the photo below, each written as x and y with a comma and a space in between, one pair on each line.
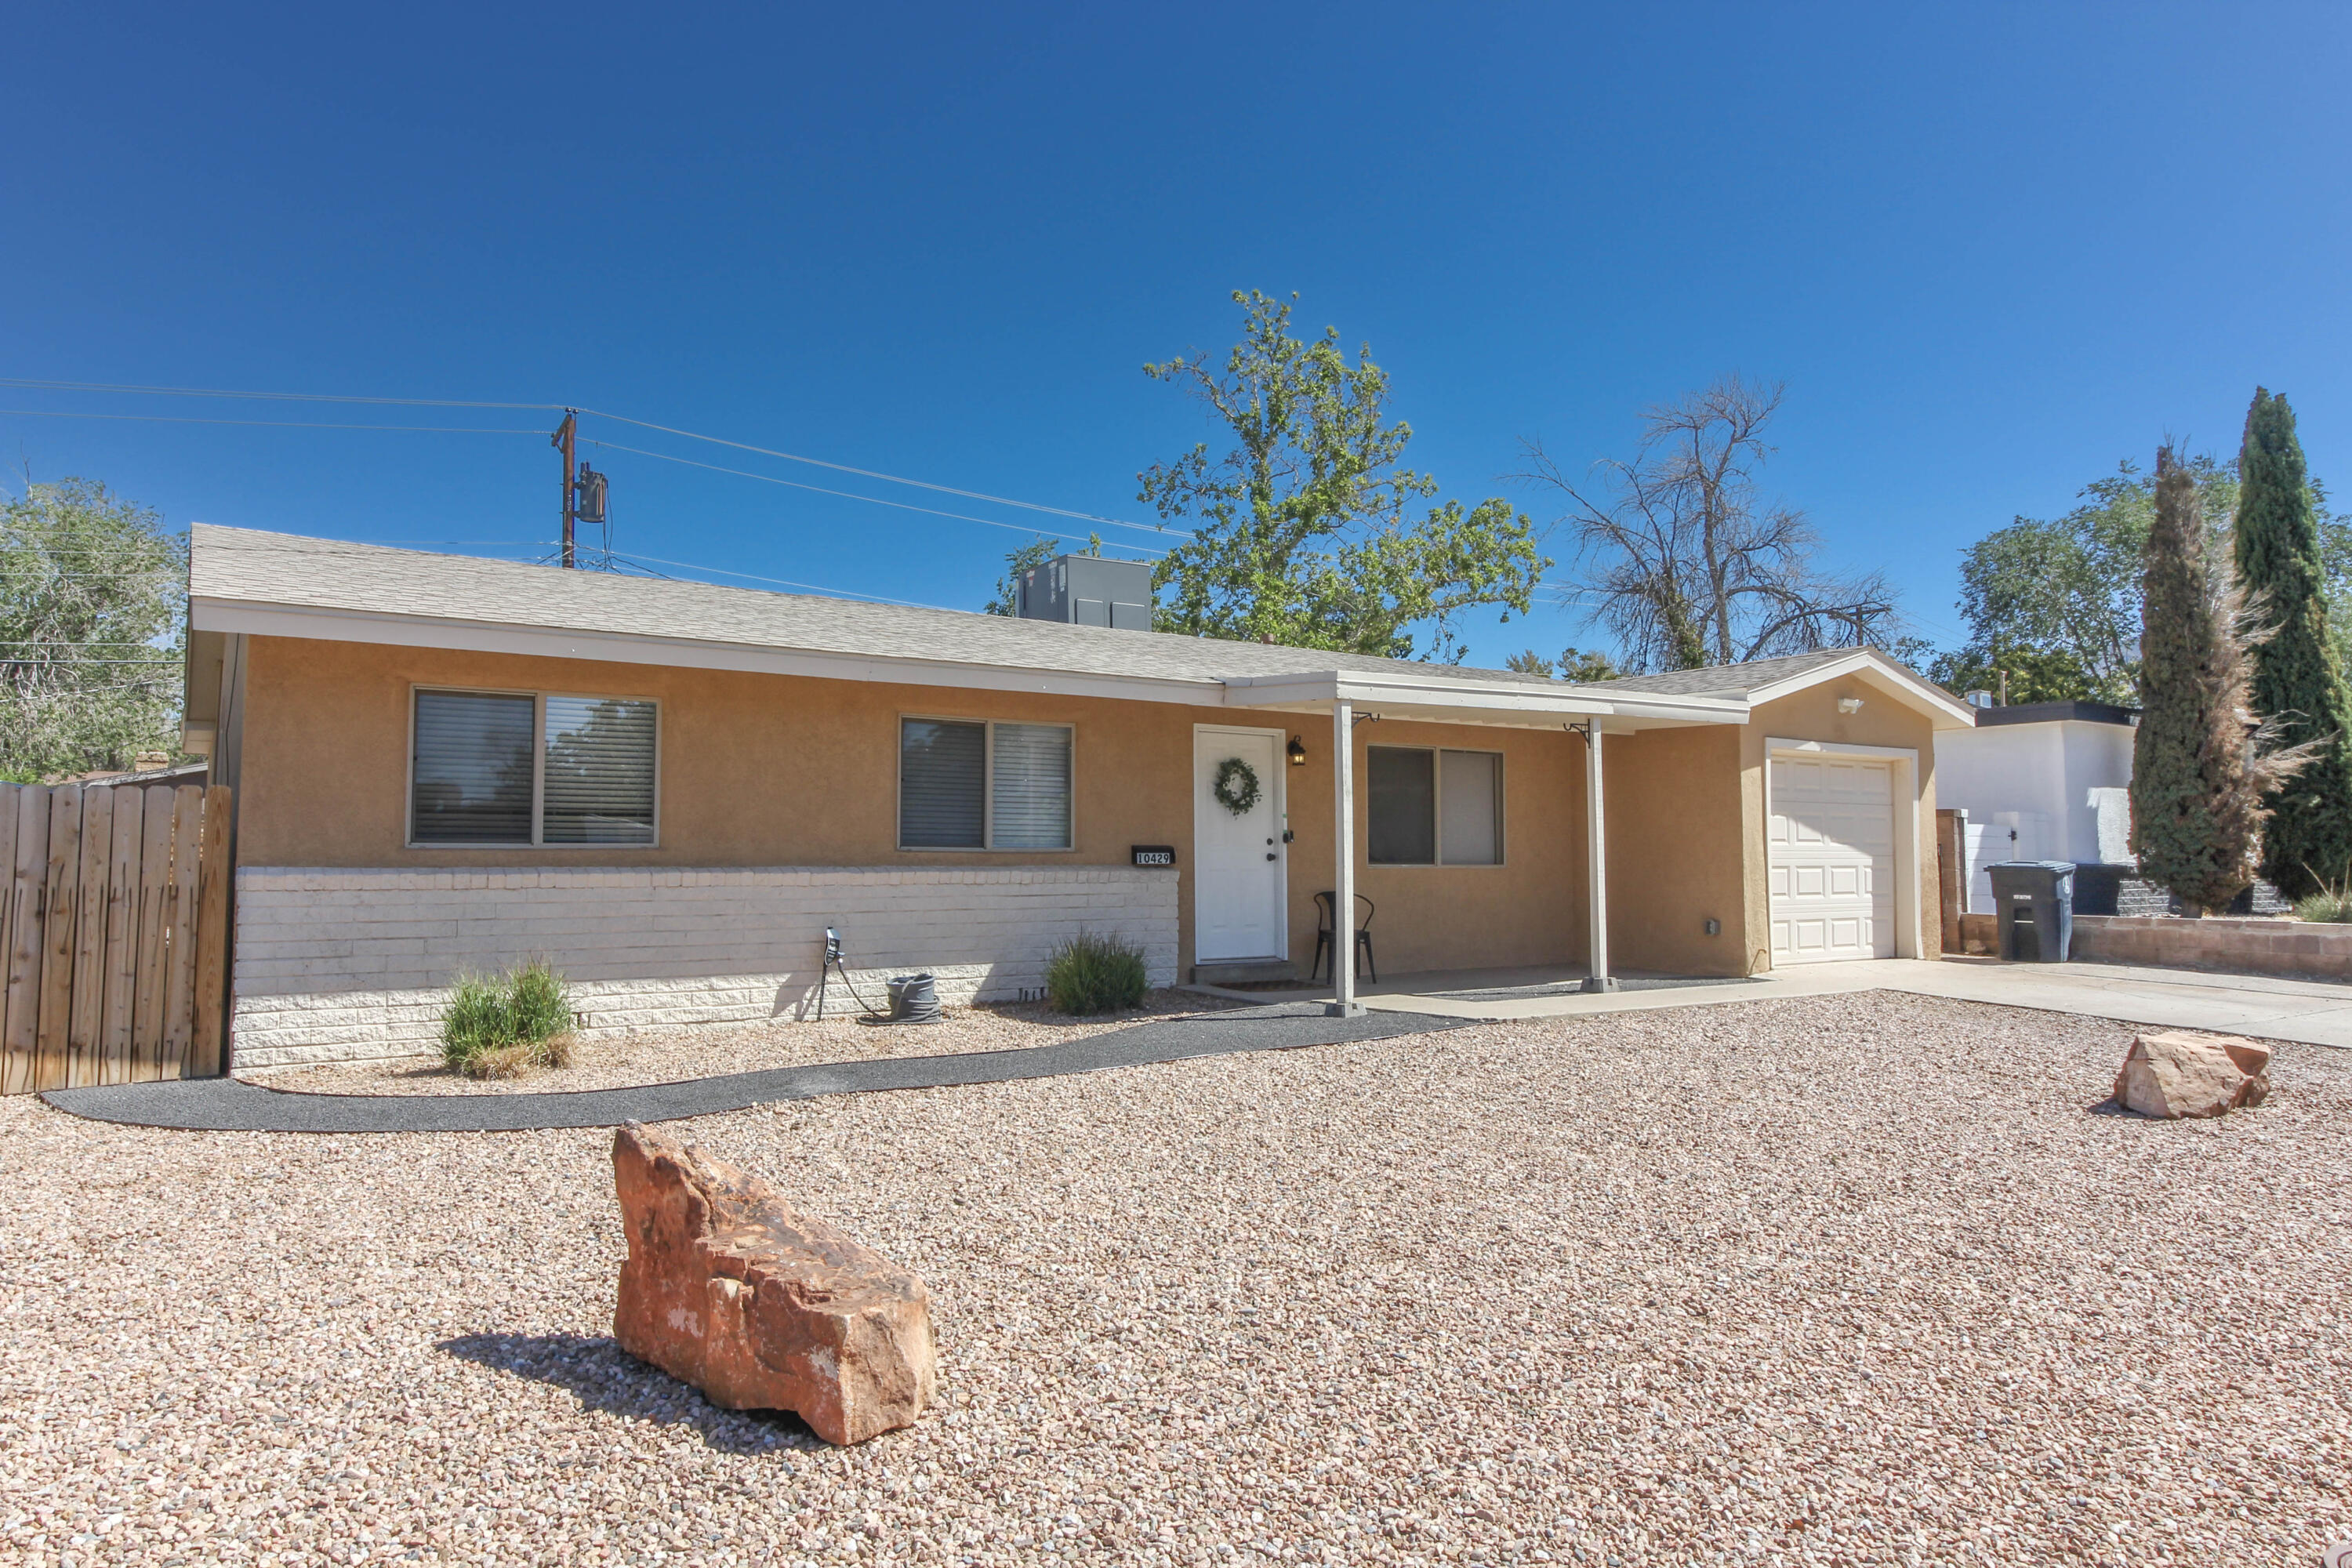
1854, 1278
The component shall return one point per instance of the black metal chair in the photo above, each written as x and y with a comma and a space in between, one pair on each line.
1327, 908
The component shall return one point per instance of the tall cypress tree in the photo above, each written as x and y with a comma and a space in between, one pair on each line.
2299, 684
2197, 785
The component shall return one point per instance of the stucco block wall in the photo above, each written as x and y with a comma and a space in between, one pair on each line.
760, 770
340, 963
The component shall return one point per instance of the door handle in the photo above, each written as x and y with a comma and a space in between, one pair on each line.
1270, 855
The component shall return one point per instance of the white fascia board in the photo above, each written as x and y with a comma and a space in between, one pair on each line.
1374, 688
687, 653
1949, 711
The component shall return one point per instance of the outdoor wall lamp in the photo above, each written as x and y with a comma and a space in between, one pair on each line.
1297, 750
1849, 704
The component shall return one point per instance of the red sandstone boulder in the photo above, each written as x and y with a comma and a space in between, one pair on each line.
763, 1308
2175, 1074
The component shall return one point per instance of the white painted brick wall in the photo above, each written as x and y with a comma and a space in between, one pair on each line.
347, 965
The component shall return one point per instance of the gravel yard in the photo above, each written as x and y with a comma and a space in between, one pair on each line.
1865, 1278
666, 1056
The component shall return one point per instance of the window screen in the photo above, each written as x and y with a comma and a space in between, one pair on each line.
1402, 795
942, 785
471, 778
1031, 790
1470, 797
599, 783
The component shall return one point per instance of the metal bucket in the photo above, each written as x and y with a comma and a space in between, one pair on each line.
914, 999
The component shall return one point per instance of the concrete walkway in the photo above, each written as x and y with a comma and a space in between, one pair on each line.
2312, 1012
231, 1105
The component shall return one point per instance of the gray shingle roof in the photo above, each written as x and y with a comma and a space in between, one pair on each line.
246, 566
1731, 680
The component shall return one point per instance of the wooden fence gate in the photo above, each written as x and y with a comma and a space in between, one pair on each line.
115, 933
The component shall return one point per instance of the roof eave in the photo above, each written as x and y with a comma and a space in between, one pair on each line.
1944, 710
1374, 688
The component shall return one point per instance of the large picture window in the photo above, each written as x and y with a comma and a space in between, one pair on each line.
1433, 807
971, 784
517, 768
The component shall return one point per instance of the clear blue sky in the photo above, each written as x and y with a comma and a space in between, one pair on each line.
1992, 250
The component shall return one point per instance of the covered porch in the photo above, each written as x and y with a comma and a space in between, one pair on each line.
1585, 718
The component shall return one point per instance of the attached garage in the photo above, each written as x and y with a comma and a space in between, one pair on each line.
1830, 840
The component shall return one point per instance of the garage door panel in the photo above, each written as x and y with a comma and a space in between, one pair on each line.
1830, 852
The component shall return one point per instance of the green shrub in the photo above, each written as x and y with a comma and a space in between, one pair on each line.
501, 1026
1094, 975
2331, 905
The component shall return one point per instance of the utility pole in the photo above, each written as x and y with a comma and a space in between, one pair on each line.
563, 442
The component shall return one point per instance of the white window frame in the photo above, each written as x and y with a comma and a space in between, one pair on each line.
1437, 810
538, 768
988, 845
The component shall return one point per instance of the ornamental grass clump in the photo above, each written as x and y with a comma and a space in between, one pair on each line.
503, 1025
1092, 973
2329, 906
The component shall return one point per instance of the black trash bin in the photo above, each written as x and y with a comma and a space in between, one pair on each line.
2033, 903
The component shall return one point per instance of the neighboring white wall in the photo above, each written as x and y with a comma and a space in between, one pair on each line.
342, 966
2037, 782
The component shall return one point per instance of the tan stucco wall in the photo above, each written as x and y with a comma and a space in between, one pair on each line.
1671, 798
769, 770
1528, 910
1813, 715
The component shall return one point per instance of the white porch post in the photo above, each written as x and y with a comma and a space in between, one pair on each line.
1596, 862
1343, 848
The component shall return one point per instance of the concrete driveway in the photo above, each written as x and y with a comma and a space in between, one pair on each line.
2313, 1012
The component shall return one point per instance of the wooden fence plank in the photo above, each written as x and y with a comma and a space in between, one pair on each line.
121, 973
9, 800
214, 874
154, 877
58, 936
87, 1010
29, 883
180, 950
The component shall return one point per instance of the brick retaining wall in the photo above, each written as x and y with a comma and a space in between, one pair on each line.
347, 965
2292, 948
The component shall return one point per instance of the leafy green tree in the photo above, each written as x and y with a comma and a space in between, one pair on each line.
1303, 532
2298, 677
2200, 767
94, 615
2018, 674
2057, 603
1573, 665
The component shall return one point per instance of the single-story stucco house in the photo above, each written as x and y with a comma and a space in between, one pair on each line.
671, 790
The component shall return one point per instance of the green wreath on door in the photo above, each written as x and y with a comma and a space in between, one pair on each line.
1236, 787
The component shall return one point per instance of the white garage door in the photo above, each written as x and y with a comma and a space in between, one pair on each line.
1832, 844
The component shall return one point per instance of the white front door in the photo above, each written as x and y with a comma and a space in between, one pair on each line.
1830, 845
1237, 879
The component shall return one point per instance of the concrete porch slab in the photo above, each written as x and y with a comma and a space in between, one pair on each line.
2311, 1012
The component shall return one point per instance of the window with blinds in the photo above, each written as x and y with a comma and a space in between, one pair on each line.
1433, 807
970, 785
599, 783
511, 768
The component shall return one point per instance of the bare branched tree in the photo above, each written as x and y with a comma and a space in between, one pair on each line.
1691, 566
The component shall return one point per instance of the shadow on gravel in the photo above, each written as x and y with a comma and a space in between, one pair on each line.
603, 1377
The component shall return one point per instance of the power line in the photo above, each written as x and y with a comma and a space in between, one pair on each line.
892, 479
845, 495
266, 396
272, 424
598, 413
